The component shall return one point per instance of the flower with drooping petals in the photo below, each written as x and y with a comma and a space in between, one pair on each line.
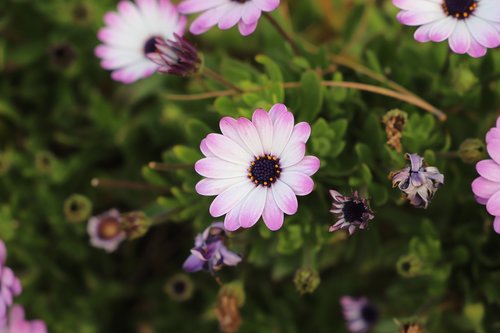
360, 314
487, 186
257, 168
210, 253
16, 323
10, 286
418, 182
227, 13
352, 212
130, 35
471, 26
106, 231
175, 56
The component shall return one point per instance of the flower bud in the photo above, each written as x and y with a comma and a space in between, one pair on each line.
409, 266
77, 208
44, 161
395, 122
228, 312
306, 280
471, 150
179, 287
412, 328
135, 224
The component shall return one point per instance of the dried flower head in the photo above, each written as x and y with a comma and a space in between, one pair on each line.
77, 208
179, 287
351, 212
175, 56
395, 122
306, 280
412, 328
418, 182
135, 224
210, 253
228, 313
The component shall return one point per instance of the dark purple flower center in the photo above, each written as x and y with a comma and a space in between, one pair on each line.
353, 211
240, 1
459, 8
150, 45
264, 170
369, 314
108, 228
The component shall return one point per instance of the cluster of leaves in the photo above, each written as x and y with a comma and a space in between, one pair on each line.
63, 124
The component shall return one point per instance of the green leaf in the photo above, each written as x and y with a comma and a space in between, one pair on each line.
311, 95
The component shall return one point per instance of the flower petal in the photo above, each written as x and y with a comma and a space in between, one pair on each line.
282, 130
442, 29
483, 32
284, 197
300, 183
484, 188
247, 29
210, 186
193, 264
272, 215
227, 149
264, 125
460, 39
493, 204
253, 206
309, 166
493, 148
489, 169
228, 199
248, 133
231, 17
496, 224
213, 167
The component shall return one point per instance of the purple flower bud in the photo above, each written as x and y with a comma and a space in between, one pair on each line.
351, 212
418, 182
175, 56
210, 253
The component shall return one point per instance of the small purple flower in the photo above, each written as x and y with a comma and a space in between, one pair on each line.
105, 230
16, 323
487, 186
10, 286
210, 253
352, 212
417, 181
360, 314
175, 56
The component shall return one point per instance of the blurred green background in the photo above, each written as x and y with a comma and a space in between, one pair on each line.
63, 122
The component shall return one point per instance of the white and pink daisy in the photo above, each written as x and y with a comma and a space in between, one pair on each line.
470, 26
106, 230
257, 168
227, 13
130, 33
486, 187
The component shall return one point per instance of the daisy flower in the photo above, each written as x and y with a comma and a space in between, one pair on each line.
106, 231
130, 35
352, 212
471, 26
227, 13
360, 314
487, 186
16, 323
257, 168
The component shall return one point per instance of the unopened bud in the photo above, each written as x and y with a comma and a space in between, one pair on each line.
471, 150
228, 313
77, 208
409, 266
306, 280
44, 161
179, 287
135, 224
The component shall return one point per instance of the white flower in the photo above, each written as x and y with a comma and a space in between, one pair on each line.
471, 26
130, 35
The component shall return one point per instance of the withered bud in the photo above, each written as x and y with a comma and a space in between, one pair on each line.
228, 312
395, 122
412, 328
135, 224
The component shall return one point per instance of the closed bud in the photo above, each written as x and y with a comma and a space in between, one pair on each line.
228, 312
135, 224
77, 208
179, 287
409, 266
306, 280
44, 161
471, 150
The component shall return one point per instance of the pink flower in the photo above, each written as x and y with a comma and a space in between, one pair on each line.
227, 13
487, 186
257, 168
10, 286
130, 35
471, 26
17, 323
3, 252
106, 231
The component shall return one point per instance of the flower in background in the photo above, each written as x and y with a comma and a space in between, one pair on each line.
351, 212
227, 13
487, 186
130, 34
62, 55
471, 26
10, 286
135, 224
77, 208
306, 280
16, 323
257, 168
179, 287
360, 314
105, 230
176, 56
418, 182
210, 253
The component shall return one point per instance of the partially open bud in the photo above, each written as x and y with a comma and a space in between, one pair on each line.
306, 280
471, 150
395, 121
409, 266
77, 208
228, 312
175, 56
135, 224
179, 287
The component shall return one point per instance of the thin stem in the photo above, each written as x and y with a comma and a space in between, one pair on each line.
283, 33
124, 184
411, 99
219, 78
169, 166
